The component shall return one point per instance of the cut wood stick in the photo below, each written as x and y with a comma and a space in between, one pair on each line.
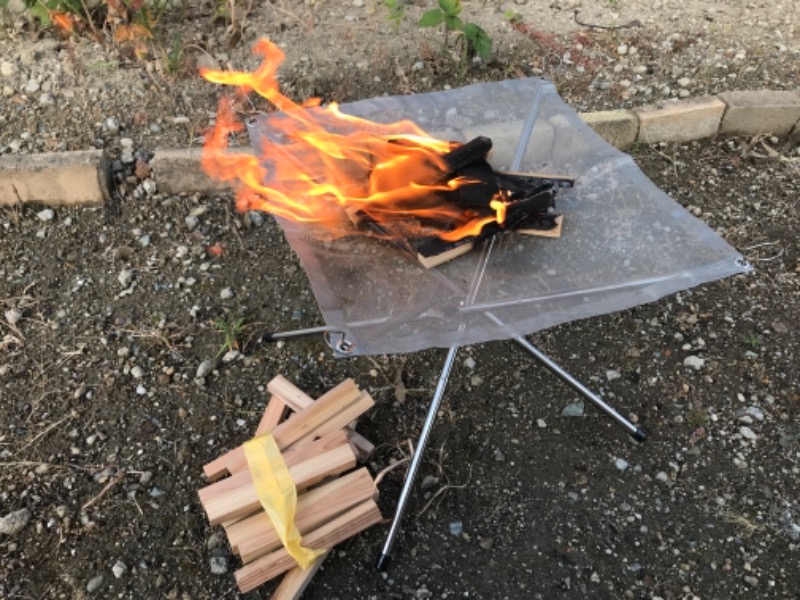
255, 536
235, 497
341, 528
309, 419
273, 414
339, 420
289, 431
295, 582
293, 396
297, 400
303, 452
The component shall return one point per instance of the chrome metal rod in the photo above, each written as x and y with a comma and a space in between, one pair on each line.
637, 432
279, 335
385, 557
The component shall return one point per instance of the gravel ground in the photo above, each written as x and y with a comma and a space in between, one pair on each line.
116, 388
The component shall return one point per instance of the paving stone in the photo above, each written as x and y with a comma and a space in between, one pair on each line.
760, 111
681, 121
618, 127
54, 178
178, 170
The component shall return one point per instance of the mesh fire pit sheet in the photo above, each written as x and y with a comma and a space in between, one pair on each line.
624, 241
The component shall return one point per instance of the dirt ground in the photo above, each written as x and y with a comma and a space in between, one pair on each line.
106, 314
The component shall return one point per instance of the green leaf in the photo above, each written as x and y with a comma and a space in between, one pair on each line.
453, 23
40, 12
432, 18
450, 7
479, 40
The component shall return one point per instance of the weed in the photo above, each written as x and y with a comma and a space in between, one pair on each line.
472, 37
396, 12
752, 341
230, 330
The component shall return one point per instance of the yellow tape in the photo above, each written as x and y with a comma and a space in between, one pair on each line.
278, 495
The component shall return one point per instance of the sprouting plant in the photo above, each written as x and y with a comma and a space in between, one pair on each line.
175, 55
752, 341
396, 12
230, 331
472, 37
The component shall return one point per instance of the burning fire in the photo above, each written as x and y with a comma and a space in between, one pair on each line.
317, 165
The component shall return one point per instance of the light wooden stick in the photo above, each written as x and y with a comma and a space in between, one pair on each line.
350, 412
236, 497
341, 528
295, 398
295, 582
273, 414
255, 536
234, 461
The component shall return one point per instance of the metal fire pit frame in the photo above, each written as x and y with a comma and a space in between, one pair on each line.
497, 318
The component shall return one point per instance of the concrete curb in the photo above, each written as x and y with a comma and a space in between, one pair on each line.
70, 178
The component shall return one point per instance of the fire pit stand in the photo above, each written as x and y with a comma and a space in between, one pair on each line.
625, 243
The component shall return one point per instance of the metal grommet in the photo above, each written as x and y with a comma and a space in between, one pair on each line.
342, 345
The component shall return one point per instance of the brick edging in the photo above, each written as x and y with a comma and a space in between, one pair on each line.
75, 178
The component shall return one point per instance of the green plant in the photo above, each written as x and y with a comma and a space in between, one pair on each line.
752, 341
396, 12
230, 331
472, 37
49, 11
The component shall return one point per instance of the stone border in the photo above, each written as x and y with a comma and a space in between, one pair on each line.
77, 178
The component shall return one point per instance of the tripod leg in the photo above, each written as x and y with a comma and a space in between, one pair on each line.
384, 559
637, 432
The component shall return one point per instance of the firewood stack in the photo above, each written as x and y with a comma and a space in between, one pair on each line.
318, 446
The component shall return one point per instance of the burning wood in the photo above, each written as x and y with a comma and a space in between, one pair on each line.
316, 446
320, 166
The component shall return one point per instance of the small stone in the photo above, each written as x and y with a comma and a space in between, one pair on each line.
662, 476
428, 482
231, 355
126, 142
94, 584
226, 294
127, 157
112, 124
456, 528
219, 565
46, 99
753, 412
751, 580
748, 433
611, 374
684, 82
32, 86
694, 362
141, 390
8, 69
622, 49
13, 316
541, 423
469, 363
205, 368
125, 277
46, 215
137, 372
621, 464
575, 409
14, 522
119, 569
486, 543
191, 222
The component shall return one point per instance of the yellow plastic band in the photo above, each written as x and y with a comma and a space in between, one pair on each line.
278, 495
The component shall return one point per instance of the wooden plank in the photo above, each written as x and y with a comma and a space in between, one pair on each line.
235, 497
334, 532
303, 452
294, 397
340, 419
295, 582
555, 232
273, 415
255, 536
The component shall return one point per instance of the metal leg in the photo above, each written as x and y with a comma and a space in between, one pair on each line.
385, 557
637, 432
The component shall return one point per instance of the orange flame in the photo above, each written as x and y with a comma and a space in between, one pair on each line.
317, 164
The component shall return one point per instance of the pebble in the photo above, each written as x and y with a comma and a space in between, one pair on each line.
751, 580
231, 355
8, 69
469, 362
622, 49
14, 522
428, 482
662, 476
611, 374
94, 584
751, 412
684, 82
695, 362
32, 86
541, 423
219, 565
13, 316
125, 277
112, 124
205, 368
46, 215
574, 409
137, 372
119, 569
191, 222
226, 294
126, 142
621, 464
456, 528
46, 99
748, 433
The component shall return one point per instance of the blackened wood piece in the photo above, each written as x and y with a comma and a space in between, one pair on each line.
434, 251
478, 189
465, 154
